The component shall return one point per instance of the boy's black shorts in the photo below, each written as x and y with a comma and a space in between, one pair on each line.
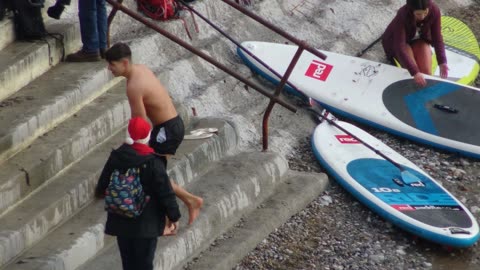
166, 137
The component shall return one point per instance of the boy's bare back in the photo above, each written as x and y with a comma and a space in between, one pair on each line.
147, 96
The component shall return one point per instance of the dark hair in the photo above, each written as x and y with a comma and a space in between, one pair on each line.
118, 51
418, 4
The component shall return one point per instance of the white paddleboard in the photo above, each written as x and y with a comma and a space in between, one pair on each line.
442, 114
424, 209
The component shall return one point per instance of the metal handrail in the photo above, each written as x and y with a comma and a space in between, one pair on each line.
200, 15
274, 98
259, 88
283, 79
109, 21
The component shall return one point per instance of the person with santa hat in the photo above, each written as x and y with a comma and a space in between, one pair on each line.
137, 237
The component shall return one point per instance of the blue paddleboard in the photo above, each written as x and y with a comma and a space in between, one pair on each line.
424, 208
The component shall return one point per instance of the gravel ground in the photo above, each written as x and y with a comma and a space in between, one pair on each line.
337, 232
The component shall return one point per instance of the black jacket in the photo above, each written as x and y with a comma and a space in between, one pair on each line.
155, 182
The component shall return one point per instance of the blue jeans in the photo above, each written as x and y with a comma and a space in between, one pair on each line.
93, 24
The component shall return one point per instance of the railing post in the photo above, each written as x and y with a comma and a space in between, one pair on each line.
110, 19
274, 98
278, 90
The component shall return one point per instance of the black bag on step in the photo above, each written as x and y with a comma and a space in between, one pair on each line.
28, 19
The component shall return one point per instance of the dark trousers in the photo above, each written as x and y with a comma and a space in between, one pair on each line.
137, 253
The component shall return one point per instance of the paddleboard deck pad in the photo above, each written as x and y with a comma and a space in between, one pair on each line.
436, 109
424, 209
442, 114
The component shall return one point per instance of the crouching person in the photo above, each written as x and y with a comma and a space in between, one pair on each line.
139, 199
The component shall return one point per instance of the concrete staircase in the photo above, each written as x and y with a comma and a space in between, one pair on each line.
61, 120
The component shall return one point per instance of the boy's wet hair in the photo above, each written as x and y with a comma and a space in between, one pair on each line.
118, 51
418, 4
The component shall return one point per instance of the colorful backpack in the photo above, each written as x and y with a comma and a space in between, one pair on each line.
124, 195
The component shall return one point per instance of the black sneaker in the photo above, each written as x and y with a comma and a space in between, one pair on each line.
82, 56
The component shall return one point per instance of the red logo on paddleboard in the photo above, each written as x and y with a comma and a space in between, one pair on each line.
403, 207
318, 70
346, 139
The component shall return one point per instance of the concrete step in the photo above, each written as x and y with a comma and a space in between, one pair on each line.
289, 198
22, 62
73, 87
59, 148
55, 150
69, 86
233, 187
194, 157
71, 245
77, 84
65, 195
49, 100
50, 206
8, 32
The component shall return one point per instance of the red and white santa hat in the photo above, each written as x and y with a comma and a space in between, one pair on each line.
138, 131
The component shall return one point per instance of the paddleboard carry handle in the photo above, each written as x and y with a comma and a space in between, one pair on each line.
445, 108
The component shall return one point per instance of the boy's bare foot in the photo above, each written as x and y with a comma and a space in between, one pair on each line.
194, 205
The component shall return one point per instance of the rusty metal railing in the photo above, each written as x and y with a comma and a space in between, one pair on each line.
110, 20
274, 98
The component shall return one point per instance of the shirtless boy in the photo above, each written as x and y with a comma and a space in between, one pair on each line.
150, 100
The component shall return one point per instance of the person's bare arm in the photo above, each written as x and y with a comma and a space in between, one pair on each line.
135, 99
